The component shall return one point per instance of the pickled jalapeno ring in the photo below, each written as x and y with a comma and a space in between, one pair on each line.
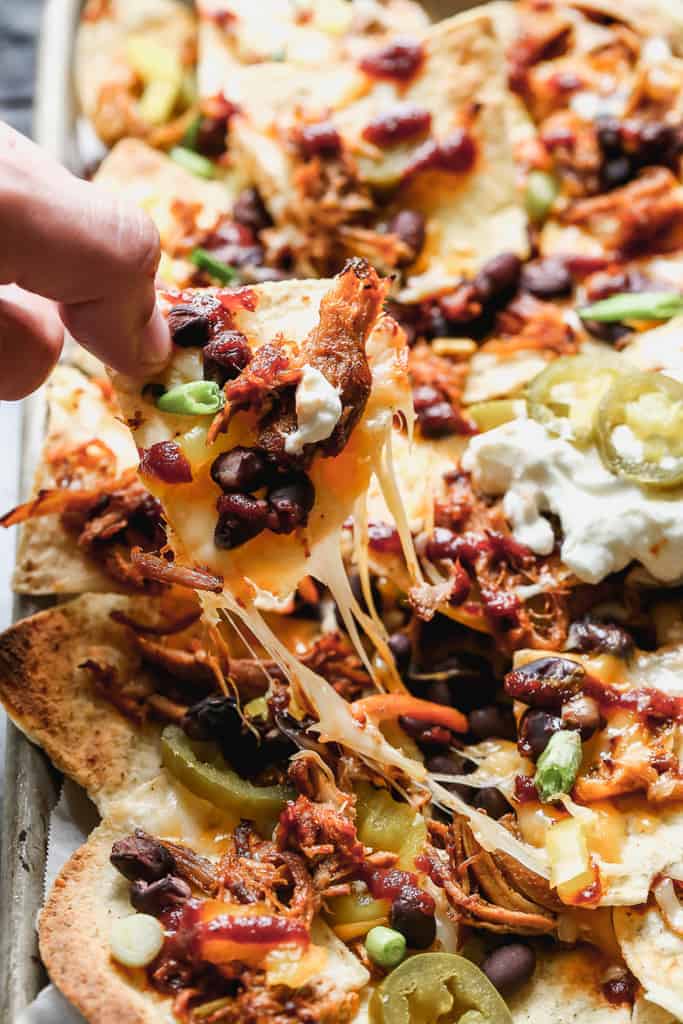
217, 783
639, 426
564, 397
438, 987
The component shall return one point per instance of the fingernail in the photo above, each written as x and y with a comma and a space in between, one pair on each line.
155, 344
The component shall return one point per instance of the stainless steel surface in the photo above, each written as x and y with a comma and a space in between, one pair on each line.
31, 789
31, 784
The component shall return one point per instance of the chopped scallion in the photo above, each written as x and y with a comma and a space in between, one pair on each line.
193, 162
196, 398
223, 272
635, 306
558, 765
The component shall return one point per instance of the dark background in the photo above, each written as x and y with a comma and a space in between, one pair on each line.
19, 26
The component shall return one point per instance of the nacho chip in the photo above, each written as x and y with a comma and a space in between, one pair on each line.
126, 48
49, 692
323, 208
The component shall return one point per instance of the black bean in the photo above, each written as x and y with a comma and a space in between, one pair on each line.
430, 738
492, 801
546, 682
547, 279
617, 172
413, 917
240, 518
249, 210
208, 719
140, 856
510, 966
401, 648
217, 720
603, 637
583, 714
439, 692
188, 326
289, 504
152, 898
492, 721
409, 225
535, 731
610, 333
439, 420
225, 357
452, 764
499, 277
609, 135
241, 469
448, 764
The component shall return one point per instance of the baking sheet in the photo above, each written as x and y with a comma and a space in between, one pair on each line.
32, 786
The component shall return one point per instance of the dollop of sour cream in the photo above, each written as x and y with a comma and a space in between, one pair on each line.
607, 521
318, 409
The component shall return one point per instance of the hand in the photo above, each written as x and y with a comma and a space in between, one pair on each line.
73, 256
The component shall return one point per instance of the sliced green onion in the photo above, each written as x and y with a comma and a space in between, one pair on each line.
197, 398
191, 136
193, 162
136, 940
558, 765
635, 306
223, 272
385, 946
541, 193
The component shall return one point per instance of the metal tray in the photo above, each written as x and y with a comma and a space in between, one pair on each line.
31, 783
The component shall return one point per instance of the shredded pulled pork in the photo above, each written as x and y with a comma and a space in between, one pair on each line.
256, 871
472, 533
329, 198
334, 658
488, 891
335, 347
528, 324
644, 216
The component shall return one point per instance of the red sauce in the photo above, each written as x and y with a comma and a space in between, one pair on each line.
399, 61
621, 990
525, 789
186, 931
383, 537
646, 703
165, 461
256, 929
390, 883
233, 299
397, 125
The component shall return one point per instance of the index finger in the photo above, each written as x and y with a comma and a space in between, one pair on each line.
95, 254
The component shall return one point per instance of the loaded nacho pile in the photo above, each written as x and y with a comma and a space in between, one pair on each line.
368, 643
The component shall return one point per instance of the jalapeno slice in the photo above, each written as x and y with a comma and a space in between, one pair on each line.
214, 781
564, 397
488, 415
640, 429
438, 988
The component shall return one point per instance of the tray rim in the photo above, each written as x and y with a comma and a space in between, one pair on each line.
31, 786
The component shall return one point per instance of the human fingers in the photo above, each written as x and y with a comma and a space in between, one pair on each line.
93, 253
31, 338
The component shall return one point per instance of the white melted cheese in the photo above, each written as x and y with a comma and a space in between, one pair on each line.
607, 522
318, 409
